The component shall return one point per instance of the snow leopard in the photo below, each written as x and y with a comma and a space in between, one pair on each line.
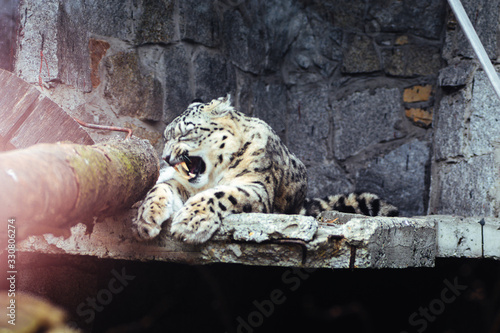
220, 162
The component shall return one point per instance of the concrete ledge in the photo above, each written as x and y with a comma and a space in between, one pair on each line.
335, 241
466, 237
258, 227
357, 243
392, 242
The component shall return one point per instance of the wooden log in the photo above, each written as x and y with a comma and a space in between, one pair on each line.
47, 188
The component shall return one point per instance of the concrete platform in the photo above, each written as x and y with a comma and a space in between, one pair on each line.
335, 240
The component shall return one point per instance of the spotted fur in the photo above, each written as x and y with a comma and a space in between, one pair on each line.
228, 163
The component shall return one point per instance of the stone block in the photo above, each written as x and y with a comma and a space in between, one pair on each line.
458, 74
199, 22
461, 237
345, 14
134, 91
282, 21
337, 218
9, 28
365, 118
112, 18
449, 139
278, 36
244, 42
468, 125
328, 38
213, 76
259, 227
72, 44
423, 18
357, 243
39, 24
466, 187
360, 55
392, 242
483, 15
263, 99
485, 117
54, 43
326, 179
178, 91
308, 124
412, 60
315, 52
258, 36
399, 177
466, 178
155, 22
394, 60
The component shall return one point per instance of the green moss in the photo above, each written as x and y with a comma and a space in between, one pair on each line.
111, 175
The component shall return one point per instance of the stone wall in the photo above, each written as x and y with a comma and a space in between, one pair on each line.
352, 87
466, 161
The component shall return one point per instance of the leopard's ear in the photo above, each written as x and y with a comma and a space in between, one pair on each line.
219, 107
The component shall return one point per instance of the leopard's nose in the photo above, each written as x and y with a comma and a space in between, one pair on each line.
145, 232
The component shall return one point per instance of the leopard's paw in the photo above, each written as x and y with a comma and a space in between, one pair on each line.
160, 204
196, 222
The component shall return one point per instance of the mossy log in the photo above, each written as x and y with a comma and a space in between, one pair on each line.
47, 188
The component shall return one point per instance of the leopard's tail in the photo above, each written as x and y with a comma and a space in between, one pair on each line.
358, 203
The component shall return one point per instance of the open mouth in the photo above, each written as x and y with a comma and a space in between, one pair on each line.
190, 167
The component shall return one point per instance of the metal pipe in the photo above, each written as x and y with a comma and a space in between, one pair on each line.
477, 46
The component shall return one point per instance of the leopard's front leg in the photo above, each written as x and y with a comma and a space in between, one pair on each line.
161, 203
202, 214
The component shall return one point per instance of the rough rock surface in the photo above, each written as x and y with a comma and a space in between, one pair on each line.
328, 76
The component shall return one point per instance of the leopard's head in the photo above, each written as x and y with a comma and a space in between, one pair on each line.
200, 141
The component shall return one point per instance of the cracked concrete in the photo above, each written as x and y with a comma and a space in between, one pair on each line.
336, 240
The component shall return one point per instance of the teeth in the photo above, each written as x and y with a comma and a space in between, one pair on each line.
186, 174
184, 166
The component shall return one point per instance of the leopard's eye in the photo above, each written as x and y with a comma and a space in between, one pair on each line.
190, 135
175, 132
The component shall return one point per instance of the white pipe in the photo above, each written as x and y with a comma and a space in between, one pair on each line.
471, 34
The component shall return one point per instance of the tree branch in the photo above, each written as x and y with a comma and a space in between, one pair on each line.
50, 187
